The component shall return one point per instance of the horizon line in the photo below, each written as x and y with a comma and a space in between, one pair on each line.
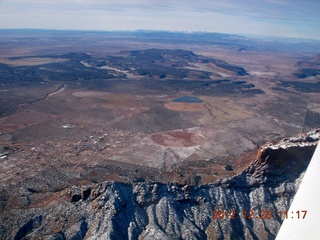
164, 31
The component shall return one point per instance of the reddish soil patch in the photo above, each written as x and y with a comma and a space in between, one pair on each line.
21, 120
179, 138
246, 159
187, 107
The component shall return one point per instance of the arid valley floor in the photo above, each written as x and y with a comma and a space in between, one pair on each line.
80, 108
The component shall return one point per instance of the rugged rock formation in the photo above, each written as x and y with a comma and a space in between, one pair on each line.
112, 210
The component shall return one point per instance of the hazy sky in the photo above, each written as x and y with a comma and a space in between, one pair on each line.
287, 18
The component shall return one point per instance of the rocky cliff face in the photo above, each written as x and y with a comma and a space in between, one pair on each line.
245, 206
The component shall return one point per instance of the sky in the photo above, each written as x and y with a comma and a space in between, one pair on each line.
282, 18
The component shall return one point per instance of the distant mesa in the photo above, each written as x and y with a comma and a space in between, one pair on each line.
242, 49
307, 87
308, 68
188, 99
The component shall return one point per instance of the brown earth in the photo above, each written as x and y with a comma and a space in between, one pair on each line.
22, 120
181, 106
31, 61
132, 123
178, 138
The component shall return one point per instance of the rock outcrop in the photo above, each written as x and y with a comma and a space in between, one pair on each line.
245, 206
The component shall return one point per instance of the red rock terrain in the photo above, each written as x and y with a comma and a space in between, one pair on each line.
138, 210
